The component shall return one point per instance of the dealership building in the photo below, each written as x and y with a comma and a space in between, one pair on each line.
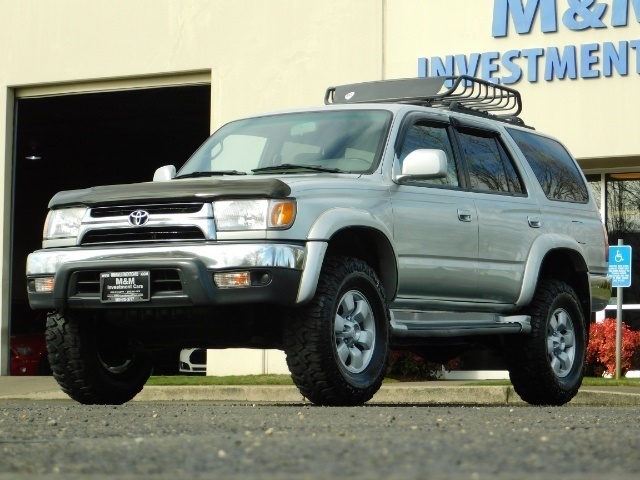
105, 92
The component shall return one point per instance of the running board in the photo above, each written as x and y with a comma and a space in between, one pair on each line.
407, 324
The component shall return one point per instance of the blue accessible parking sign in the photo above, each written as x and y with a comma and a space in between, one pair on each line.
620, 265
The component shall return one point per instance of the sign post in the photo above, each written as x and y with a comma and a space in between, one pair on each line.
620, 271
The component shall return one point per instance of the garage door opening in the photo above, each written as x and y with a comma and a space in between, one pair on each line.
68, 142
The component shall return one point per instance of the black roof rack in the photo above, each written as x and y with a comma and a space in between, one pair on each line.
467, 94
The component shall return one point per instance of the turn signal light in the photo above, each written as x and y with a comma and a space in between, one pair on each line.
282, 214
44, 284
232, 279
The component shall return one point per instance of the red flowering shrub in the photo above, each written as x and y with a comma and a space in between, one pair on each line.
601, 351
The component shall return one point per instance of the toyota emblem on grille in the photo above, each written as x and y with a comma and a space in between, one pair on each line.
138, 218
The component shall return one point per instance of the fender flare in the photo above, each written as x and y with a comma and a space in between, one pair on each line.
324, 228
541, 247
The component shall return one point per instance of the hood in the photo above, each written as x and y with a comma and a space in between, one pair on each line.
188, 190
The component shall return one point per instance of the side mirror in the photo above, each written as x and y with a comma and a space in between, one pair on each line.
164, 174
423, 164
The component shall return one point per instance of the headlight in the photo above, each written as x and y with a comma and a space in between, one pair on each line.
63, 223
253, 214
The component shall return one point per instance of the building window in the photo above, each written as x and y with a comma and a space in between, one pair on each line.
618, 196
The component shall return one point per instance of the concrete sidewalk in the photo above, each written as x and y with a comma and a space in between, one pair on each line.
446, 392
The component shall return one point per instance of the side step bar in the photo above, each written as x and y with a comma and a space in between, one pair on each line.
406, 324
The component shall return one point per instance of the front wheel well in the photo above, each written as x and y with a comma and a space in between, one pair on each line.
371, 246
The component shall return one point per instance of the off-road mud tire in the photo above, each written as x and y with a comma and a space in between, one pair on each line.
529, 357
312, 345
74, 343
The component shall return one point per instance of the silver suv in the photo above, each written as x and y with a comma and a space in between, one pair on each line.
419, 214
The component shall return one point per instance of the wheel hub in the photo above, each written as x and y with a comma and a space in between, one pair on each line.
354, 331
560, 343
351, 331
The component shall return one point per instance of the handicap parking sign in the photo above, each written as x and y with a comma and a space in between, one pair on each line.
620, 265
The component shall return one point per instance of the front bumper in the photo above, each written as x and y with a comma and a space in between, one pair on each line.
184, 274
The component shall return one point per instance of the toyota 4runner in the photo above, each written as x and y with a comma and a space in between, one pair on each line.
420, 214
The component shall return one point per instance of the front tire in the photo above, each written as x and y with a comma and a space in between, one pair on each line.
93, 361
547, 366
337, 346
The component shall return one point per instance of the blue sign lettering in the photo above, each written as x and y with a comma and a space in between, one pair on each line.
620, 14
635, 44
561, 66
590, 60
488, 66
523, 15
579, 15
615, 59
583, 14
470, 67
532, 55
509, 63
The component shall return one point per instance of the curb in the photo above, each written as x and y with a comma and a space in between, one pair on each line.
387, 395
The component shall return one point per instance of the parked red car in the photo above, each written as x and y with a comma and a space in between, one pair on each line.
29, 355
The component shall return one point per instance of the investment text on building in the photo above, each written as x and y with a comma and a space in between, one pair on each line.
580, 60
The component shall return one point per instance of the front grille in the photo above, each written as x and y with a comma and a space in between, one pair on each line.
165, 280
142, 234
198, 356
166, 209
161, 280
86, 282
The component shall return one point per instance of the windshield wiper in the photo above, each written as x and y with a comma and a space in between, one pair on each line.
291, 166
211, 174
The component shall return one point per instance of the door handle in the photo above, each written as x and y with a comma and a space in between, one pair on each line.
534, 222
464, 215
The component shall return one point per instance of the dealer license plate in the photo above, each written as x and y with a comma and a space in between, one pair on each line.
124, 287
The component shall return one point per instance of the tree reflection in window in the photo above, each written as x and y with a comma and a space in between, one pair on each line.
490, 168
422, 135
553, 167
623, 206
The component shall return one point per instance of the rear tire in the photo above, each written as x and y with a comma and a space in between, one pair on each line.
337, 346
93, 361
547, 366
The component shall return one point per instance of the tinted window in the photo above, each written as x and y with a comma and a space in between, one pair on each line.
552, 165
490, 167
423, 135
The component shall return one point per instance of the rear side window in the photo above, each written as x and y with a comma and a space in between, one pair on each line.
552, 165
490, 168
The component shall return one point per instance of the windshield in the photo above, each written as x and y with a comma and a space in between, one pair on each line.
334, 141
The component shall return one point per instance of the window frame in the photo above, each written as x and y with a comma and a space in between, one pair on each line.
576, 168
437, 121
488, 131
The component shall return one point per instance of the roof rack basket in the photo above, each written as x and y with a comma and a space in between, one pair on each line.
467, 93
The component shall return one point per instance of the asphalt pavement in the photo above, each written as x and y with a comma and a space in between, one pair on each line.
443, 392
